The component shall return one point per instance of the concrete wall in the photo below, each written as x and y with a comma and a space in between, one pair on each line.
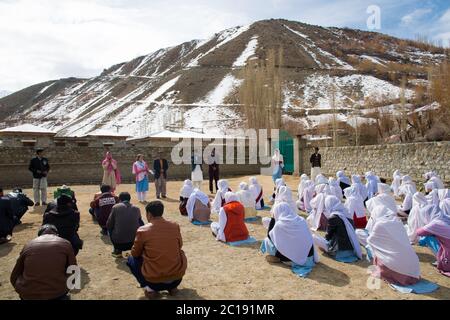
82, 165
411, 158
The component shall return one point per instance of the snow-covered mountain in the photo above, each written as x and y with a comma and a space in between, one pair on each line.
195, 84
4, 93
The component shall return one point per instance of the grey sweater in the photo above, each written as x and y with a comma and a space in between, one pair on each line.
123, 222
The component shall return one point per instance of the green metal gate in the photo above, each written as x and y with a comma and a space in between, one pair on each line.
286, 146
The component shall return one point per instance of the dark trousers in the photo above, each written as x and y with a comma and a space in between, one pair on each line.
135, 265
121, 246
213, 175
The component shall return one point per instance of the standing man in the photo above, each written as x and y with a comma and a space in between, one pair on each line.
213, 163
40, 167
316, 163
160, 166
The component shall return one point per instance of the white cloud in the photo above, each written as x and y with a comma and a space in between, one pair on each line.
415, 15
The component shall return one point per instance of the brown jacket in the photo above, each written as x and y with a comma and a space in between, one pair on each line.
159, 244
40, 270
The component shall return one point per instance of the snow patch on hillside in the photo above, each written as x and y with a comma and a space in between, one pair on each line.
249, 51
218, 94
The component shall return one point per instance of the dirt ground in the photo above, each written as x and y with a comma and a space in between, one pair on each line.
215, 270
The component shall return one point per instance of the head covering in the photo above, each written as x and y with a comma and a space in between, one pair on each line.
384, 188
396, 182
428, 175
444, 205
334, 207
231, 197
285, 195
318, 208
378, 212
321, 179
308, 193
301, 185
353, 202
277, 156
407, 187
245, 196
416, 219
372, 184
243, 186
291, 235
341, 177
256, 190
335, 189
390, 245
279, 182
384, 199
430, 185
187, 189
195, 195
362, 190
223, 188
438, 182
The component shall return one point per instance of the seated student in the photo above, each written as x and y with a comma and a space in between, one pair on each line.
308, 193
432, 192
439, 228
355, 207
278, 184
289, 237
318, 220
157, 260
19, 204
395, 258
122, 224
416, 217
407, 189
363, 234
198, 206
40, 270
258, 193
248, 201
66, 220
432, 176
231, 226
340, 237
335, 189
303, 179
285, 195
67, 191
343, 181
185, 192
219, 200
396, 182
102, 206
6, 218
362, 190
371, 184
384, 197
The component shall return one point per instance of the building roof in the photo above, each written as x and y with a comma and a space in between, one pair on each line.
28, 128
106, 133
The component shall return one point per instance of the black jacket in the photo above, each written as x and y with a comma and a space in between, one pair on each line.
157, 168
6, 217
39, 167
337, 235
19, 204
316, 160
67, 221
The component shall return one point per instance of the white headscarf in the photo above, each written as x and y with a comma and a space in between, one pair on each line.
415, 218
384, 198
245, 196
438, 182
231, 197
186, 189
372, 184
444, 205
335, 208
277, 156
321, 179
285, 195
301, 185
390, 245
378, 212
335, 188
196, 194
318, 208
407, 186
341, 177
222, 184
308, 193
256, 189
362, 190
291, 235
353, 203
396, 181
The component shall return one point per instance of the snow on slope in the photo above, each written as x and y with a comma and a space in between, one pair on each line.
249, 51
223, 89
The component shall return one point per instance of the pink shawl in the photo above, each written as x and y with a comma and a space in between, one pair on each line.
111, 165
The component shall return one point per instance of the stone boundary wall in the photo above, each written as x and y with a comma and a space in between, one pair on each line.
82, 165
413, 159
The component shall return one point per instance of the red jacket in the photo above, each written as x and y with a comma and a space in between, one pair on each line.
235, 230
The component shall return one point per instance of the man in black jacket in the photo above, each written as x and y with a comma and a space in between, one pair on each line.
19, 204
316, 163
40, 167
6, 218
160, 166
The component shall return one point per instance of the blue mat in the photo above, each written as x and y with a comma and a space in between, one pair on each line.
430, 242
199, 223
249, 240
421, 287
265, 208
252, 219
304, 270
347, 256
369, 255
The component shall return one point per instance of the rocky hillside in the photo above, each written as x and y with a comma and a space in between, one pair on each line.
195, 84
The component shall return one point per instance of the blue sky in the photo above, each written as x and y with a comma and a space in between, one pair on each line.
50, 39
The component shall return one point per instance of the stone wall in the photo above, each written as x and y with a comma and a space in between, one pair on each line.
82, 165
411, 158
